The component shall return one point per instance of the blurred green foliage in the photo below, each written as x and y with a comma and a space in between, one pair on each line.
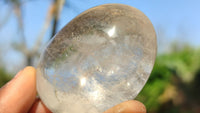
174, 84
4, 77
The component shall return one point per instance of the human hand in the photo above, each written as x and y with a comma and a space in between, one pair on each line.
19, 96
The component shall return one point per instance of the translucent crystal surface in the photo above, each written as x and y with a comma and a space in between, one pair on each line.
101, 58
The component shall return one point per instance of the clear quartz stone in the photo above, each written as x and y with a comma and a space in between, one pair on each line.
101, 58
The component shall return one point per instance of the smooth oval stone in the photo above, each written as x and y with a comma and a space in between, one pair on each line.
101, 58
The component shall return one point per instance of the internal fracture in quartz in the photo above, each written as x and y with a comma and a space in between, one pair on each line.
101, 58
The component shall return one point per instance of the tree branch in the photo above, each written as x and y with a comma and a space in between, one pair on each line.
58, 5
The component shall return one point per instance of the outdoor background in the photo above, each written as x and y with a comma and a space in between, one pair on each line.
174, 85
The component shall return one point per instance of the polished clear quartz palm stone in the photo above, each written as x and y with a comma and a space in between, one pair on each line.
101, 58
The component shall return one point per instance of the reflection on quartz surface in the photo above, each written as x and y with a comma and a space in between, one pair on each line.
111, 32
83, 81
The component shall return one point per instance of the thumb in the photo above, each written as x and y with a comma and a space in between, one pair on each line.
132, 106
18, 95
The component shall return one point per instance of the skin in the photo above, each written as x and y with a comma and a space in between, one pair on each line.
19, 96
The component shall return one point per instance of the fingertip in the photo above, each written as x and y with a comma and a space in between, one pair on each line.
28, 77
29, 69
132, 106
21, 90
137, 106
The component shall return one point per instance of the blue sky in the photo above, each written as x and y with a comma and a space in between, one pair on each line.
173, 19
173, 16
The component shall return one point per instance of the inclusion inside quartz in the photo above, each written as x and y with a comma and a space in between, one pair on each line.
101, 58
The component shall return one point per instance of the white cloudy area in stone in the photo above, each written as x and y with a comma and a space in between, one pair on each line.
101, 58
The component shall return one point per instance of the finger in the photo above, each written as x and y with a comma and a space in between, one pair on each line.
132, 106
39, 107
18, 95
